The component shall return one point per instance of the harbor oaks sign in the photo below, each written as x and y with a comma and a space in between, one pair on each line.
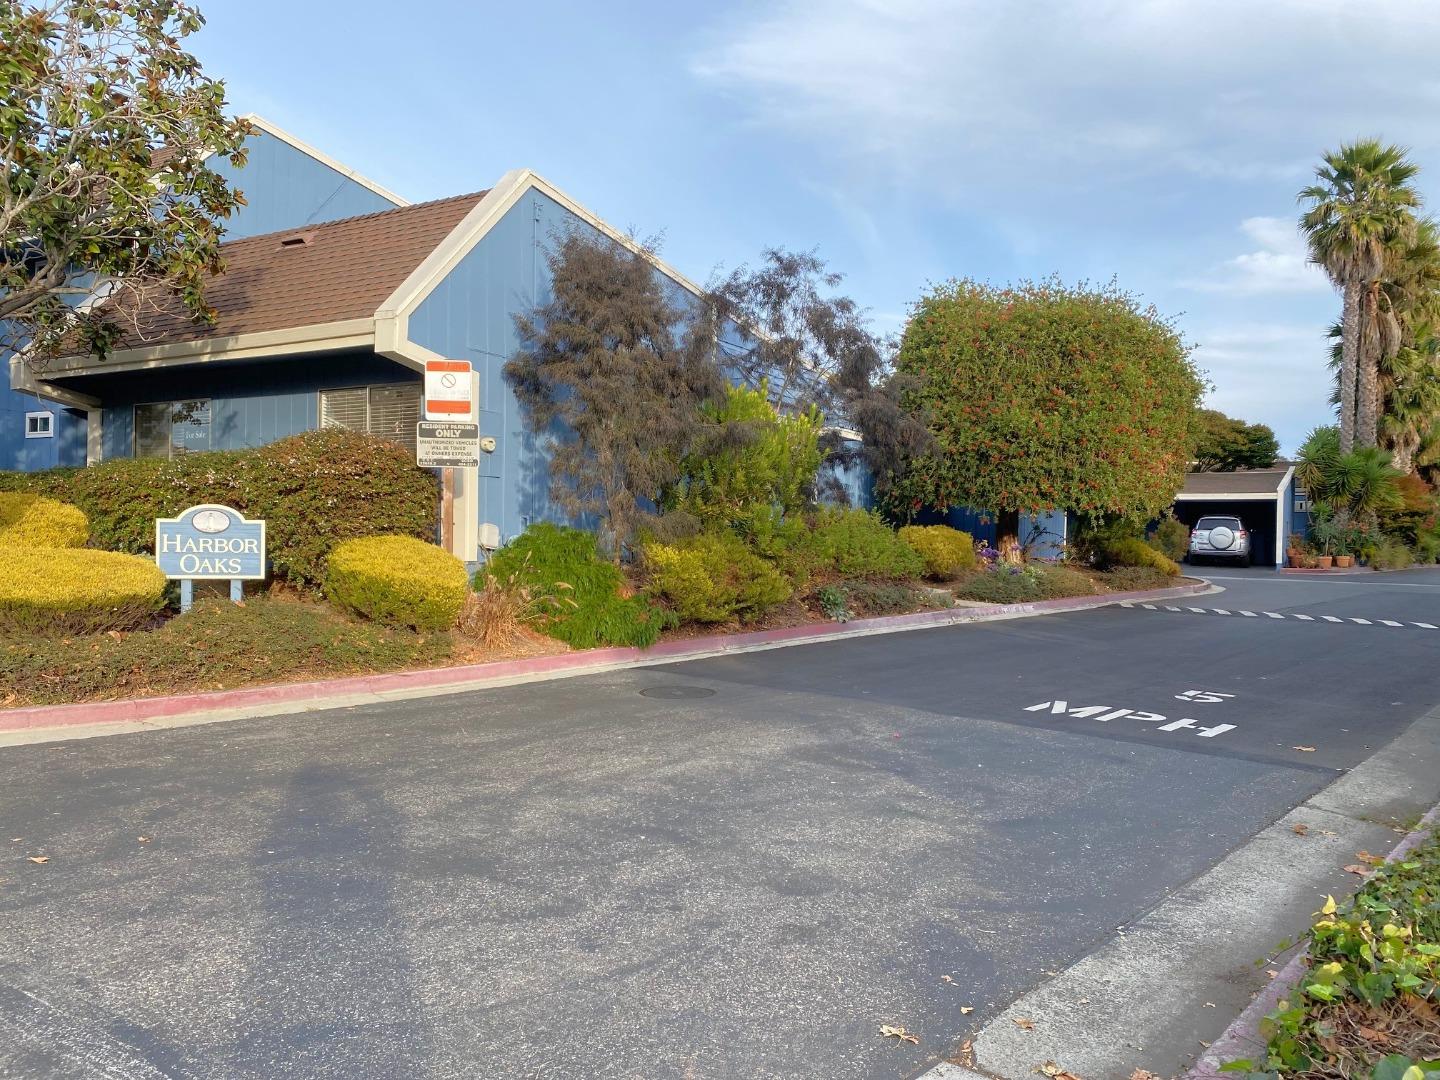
210, 543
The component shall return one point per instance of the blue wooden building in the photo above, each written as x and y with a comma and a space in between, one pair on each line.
336, 292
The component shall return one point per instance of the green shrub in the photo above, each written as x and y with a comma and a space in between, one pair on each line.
946, 551
314, 490
215, 645
77, 590
1128, 551
398, 581
852, 543
1391, 554
1019, 585
714, 578
563, 565
33, 521
1171, 538
1136, 578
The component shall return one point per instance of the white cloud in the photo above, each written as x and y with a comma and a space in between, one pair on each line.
970, 94
1269, 373
1281, 263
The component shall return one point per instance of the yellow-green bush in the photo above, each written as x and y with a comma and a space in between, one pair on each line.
76, 590
31, 521
714, 578
1129, 551
946, 551
397, 580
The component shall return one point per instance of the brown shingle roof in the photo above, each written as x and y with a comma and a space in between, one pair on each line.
343, 270
1241, 482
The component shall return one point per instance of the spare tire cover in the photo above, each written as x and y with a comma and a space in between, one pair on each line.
1221, 538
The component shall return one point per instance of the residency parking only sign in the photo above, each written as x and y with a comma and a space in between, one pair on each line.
447, 446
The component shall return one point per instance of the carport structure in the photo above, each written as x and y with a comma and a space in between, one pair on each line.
1265, 500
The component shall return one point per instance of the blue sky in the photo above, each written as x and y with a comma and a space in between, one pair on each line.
1157, 141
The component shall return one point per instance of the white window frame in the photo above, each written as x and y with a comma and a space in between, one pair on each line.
40, 425
170, 432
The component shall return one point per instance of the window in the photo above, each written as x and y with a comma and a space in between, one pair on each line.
388, 411
1302, 503
168, 428
39, 425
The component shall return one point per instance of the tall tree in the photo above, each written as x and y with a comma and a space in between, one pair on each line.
1224, 443
614, 371
1355, 215
783, 325
1046, 396
106, 123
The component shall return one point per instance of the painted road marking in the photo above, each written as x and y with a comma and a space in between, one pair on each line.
1285, 615
1105, 713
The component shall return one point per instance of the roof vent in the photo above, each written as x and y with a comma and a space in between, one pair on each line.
302, 239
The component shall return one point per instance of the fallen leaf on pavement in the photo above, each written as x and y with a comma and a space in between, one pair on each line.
1304, 749
946, 979
1054, 1071
1271, 973
143, 839
1365, 856
39, 858
1356, 868
1024, 1023
1300, 829
966, 1010
1142, 1074
1331, 833
888, 1032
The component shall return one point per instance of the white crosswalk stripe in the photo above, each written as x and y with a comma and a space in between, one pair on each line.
1282, 615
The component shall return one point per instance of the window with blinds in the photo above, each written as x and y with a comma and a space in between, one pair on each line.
388, 411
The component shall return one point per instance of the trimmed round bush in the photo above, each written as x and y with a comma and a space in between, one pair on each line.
946, 551
77, 590
32, 521
714, 578
397, 580
1128, 551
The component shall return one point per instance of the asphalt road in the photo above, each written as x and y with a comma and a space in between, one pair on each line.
728, 868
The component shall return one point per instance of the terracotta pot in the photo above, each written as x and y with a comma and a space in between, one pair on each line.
1344, 562
1323, 561
1294, 559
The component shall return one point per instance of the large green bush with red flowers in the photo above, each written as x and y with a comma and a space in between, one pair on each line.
1045, 395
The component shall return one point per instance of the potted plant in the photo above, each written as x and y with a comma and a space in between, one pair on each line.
1326, 534
1295, 551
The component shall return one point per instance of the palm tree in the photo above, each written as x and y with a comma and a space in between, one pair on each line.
1412, 397
1355, 215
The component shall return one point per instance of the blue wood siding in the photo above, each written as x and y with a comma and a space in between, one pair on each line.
65, 447
250, 404
285, 189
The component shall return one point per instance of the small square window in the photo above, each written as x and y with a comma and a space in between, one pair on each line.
39, 425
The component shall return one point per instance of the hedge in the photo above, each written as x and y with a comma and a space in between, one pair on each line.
398, 581
314, 489
946, 551
77, 590
33, 521
1129, 551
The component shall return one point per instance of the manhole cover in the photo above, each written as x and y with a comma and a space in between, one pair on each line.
675, 693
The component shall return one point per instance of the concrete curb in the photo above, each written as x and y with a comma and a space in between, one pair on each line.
1242, 1039
139, 713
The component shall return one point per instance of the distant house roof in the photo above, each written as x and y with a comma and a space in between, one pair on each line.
315, 274
1202, 485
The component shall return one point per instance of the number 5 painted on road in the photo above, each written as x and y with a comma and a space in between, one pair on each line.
1208, 697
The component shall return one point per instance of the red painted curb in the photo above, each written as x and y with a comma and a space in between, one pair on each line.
139, 710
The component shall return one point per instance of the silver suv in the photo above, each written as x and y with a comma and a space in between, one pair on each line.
1220, 538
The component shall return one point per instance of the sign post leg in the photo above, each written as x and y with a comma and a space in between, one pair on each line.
447, 509
187, 594
237, 590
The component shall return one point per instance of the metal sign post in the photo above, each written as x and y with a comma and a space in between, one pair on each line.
449, 437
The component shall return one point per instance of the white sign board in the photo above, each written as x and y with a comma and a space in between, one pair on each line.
447, 446
449, 387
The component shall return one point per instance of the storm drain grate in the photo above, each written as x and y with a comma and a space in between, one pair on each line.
677, 693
